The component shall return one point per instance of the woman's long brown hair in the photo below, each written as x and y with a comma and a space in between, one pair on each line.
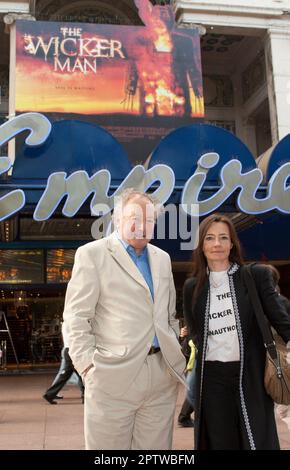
200, 262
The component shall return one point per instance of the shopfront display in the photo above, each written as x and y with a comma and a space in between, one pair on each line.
32, 308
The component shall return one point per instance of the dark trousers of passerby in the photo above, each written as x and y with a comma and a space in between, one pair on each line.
221, 406
184, 417
66, 371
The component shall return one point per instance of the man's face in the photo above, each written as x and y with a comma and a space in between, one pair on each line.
137, 222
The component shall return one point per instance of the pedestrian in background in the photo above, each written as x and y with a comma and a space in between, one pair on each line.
65, 372
187, 346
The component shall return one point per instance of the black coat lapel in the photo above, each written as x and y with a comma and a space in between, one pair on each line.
242, 300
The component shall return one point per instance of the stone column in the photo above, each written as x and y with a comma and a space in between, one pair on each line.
277, 51
10, 28
249, 135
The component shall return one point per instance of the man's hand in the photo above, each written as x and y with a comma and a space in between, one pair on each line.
288, 353
84, 373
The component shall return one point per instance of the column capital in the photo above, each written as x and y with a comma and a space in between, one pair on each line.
189, 25
10, 19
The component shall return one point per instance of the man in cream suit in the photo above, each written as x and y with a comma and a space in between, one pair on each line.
123, 335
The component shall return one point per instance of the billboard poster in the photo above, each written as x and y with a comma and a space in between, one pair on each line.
138, 82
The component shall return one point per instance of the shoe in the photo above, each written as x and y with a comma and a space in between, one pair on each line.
58, 397
49, 399
186, 423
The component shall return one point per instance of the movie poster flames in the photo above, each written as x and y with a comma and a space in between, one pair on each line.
139, 82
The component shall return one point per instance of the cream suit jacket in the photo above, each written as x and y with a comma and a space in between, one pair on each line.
111, 317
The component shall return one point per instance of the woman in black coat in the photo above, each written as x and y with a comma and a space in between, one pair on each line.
233, 410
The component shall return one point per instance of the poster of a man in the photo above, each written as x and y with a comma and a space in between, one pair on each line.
164, 66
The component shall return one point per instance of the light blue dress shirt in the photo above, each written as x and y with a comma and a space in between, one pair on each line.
142, 263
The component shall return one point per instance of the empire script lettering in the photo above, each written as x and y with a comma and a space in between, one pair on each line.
77, 187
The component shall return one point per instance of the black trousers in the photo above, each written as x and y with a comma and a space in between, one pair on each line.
221, 409
64, 374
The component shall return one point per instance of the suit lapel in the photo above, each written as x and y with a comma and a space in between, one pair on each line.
121, 256
154, 262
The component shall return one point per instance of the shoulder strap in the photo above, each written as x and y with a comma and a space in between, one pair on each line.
258, 309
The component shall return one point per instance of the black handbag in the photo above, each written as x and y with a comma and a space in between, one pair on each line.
277, 368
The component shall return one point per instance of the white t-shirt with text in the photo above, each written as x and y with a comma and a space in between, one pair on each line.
223, 342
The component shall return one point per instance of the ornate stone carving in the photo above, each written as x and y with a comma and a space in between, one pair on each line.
218, 91
88, 11
254, 76
228, 125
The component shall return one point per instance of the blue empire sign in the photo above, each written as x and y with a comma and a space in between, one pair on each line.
77, 160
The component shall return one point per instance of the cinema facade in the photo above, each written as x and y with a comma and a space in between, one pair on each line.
83, 118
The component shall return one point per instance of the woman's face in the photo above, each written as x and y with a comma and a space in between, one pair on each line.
217, 243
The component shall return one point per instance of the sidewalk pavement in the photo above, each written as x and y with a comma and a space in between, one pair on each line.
28, 422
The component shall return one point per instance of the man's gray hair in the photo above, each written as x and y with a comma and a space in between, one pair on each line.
127, 195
